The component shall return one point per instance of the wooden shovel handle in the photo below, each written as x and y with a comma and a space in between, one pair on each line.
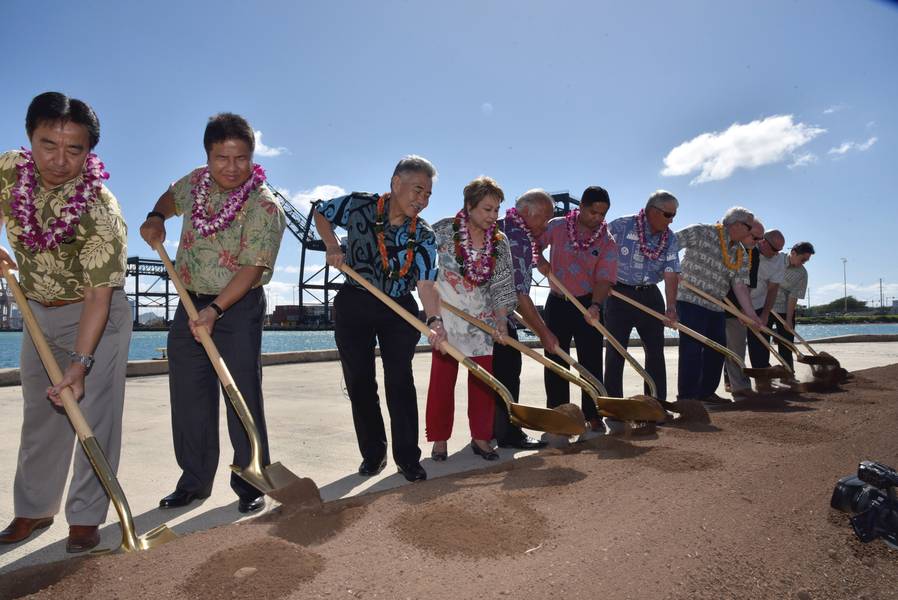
653, 389
764, 342
683, 329
46, 354
795, 333
205, 339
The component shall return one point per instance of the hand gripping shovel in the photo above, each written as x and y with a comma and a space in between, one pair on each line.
540, 419
641, 408
653, 389
274, 480
131, 542
584, 372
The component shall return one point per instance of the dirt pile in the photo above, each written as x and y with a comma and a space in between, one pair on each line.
738, 508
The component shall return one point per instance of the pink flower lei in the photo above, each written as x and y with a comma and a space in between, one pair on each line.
516, 218
207, 225
571, 219
61, 228
480, 270
647, 251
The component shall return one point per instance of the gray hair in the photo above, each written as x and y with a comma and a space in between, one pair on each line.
531, 198
413, 163
738, 214
660, 197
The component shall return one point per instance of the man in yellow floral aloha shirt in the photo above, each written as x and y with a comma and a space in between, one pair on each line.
69, 239
230, 236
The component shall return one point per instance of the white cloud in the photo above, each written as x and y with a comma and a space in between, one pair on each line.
803, 160
486, 108
834, 108
171, 244
718, 154
853, 146
263, 150
288, 269
302, 201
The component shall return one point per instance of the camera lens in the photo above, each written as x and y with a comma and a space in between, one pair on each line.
850, 495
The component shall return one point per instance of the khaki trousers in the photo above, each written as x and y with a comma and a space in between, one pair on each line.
45, 450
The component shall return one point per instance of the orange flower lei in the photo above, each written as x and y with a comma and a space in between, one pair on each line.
732, 266
382, 246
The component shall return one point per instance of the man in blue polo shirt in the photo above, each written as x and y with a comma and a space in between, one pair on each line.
647, 253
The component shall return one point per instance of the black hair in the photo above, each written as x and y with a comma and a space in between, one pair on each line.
803, 248
52, 107
594, 194
228, 126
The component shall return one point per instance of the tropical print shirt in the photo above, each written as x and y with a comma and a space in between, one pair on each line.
480, 301
95, 257
578, 270
357, 213
521, 255
633, 267
703, 265
253, 239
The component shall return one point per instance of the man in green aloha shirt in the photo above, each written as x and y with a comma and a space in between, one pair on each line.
230, 236
69, 238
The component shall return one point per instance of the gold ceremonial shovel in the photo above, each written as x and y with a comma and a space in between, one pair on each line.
539, 419
639, 408
653, 389
274, 480
131, 542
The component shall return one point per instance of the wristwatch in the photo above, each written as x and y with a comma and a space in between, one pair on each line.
85, 360
434, 319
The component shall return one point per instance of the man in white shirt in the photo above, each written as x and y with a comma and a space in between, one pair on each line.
771, 272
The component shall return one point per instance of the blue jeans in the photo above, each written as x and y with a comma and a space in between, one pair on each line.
700, 365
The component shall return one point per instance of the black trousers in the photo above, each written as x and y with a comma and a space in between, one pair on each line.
360, 320
759, 355
567, 322
507, 369
620, 320
194, 388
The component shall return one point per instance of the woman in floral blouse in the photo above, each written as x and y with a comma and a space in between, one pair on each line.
475, 276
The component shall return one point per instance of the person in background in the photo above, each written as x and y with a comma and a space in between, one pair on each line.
793, 288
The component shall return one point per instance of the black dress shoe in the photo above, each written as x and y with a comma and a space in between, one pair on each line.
180, 498
368, 469
484, 454
524, 443
248, 505
439, 456
413, 471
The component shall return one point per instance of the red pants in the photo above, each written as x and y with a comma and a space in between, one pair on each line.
441, 399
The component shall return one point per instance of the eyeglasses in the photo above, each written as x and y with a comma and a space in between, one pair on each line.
758, 238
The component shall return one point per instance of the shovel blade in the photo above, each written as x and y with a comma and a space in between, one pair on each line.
282, 484
635, 408
155, 537
545, 419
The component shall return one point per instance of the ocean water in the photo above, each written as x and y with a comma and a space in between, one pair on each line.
146, 344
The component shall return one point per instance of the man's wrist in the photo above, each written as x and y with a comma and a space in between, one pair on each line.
84, 361
434, 319
219, 311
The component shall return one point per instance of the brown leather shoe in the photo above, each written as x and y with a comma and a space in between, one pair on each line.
21, 528
82, 538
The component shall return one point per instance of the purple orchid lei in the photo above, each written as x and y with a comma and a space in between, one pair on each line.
516, 218
648, 251
571, 219
34, 237
477, 271
207, 225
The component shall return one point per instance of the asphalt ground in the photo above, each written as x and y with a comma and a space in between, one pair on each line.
310, 432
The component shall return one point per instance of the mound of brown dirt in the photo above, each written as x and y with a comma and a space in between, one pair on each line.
737, 509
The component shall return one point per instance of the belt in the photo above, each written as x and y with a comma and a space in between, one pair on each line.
634, 287
201, 297
58, 303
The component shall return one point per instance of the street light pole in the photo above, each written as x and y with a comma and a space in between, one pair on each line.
845, 283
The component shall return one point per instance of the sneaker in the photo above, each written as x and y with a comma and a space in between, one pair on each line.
715, 399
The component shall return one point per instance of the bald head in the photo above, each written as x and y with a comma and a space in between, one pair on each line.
772, 243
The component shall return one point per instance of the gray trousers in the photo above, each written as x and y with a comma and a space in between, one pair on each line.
45, 450
736, 339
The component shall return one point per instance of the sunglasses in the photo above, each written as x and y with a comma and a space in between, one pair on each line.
772, 247
667, 215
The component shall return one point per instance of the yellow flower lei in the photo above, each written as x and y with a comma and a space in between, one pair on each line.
732, 266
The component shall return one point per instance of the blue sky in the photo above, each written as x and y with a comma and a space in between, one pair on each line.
787, 108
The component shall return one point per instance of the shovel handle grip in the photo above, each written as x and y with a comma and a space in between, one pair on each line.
46, 354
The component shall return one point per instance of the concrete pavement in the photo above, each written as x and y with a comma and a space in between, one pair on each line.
311, 433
